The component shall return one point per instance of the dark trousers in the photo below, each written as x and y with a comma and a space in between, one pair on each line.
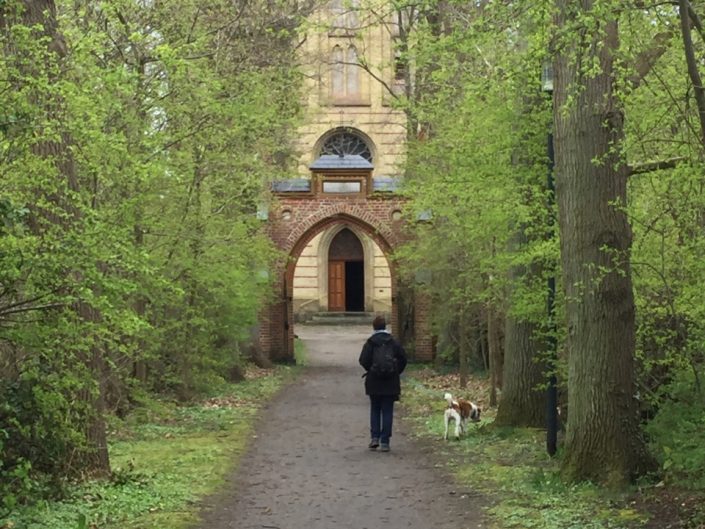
381, 416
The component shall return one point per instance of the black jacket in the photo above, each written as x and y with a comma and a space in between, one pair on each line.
373, 384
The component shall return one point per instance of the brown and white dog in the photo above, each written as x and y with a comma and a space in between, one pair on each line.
460, 410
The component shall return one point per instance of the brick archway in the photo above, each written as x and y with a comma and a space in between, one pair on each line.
341, 219
304, 208
375, 220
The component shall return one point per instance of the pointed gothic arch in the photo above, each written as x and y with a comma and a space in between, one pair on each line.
368, 249
300, 213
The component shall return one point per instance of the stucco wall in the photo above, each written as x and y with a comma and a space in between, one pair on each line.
372, 112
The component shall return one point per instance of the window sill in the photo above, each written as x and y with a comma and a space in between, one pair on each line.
349, 102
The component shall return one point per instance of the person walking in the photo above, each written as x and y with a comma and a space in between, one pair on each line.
383, 359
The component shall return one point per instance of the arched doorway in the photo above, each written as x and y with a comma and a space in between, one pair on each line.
376, 247
346, 273
303, 213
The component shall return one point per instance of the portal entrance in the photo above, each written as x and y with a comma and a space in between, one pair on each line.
346, 273
343, 215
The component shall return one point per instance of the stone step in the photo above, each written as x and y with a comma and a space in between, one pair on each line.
341, 318
340, 314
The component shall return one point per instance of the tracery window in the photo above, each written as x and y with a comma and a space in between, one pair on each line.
344, 142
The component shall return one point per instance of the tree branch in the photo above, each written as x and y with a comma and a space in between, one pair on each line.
649, 167
4, 313
25, 301
691, 61
376, 77
696, 20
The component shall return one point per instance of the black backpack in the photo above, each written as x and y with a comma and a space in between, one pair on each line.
384, 362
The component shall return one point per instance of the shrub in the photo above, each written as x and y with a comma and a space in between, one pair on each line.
677, 432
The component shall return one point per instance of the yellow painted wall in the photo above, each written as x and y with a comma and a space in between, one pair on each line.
370, 113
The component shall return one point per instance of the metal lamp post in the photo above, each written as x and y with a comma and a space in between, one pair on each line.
552, 391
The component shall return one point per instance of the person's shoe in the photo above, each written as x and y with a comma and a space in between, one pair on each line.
374, 443
384, 447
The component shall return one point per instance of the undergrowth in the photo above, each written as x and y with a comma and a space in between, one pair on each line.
165, 457
510, 467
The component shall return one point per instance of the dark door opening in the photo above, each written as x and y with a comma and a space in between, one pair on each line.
354, 286
346, 273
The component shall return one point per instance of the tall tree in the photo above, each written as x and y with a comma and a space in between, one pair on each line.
604, 441
522, 402
136, 139
56, 210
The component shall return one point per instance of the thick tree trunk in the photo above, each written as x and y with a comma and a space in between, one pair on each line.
94, 458
42, 15
522, 402
604, 442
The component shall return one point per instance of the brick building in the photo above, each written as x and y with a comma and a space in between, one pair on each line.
341, 220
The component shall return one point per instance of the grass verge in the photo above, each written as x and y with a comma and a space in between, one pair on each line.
165, 458
521, 483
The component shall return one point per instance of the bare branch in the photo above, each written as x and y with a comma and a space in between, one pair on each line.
376, 77
696, 20
24, 302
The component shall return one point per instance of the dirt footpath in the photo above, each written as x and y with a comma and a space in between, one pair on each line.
309, 467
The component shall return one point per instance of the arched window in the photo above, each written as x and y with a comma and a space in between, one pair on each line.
344, 75
352, 77
344, 142
337, 81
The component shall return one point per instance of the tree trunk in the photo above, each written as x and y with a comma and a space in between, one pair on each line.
604, 442
41, 14
94, 458
480, 339
523, 403
692, 63
405, 316
191, 285
494, 344
463, 348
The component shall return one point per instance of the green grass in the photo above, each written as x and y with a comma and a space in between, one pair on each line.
165, 458
510, 467
300, 353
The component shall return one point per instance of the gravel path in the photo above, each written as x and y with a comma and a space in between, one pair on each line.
309, 467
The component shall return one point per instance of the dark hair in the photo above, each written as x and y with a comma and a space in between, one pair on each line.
379, 323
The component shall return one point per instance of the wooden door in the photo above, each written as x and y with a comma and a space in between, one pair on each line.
336, 285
